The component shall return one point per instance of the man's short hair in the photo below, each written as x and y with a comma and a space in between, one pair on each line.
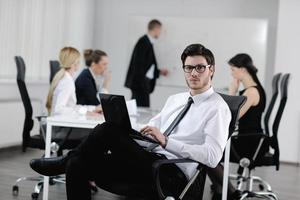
198, 50
153, 23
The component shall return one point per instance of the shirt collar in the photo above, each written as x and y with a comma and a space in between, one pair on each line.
93, 74
152, 39
68, 75
203, 96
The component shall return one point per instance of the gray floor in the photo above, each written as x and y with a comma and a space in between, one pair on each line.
14, 164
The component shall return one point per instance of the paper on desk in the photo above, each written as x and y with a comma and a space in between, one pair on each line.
131, 107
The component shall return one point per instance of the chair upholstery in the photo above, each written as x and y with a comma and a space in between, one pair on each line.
195, 188
275, 90
35, 141
54, 67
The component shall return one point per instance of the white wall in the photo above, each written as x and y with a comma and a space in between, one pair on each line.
112, 22
36, 30
287, 61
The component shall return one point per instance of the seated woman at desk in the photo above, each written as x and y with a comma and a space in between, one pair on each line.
244, 72
61, 97
94, 79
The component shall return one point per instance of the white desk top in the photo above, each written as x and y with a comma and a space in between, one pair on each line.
75, 121
88, 121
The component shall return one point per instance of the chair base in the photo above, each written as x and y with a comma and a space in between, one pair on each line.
38, 186
262, 195
265, 189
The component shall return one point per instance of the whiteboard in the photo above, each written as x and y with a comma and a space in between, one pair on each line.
225, 37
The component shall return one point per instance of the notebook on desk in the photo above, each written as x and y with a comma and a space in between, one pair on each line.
115, 111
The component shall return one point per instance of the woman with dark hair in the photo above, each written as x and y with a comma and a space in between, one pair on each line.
244, 72
94, 79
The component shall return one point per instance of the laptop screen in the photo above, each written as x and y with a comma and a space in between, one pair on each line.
115, 110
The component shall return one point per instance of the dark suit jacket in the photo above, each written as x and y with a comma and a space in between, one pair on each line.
86, 90
141, 60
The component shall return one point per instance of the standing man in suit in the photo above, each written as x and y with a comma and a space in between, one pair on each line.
143, 71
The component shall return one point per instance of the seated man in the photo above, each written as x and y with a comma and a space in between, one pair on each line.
193, 124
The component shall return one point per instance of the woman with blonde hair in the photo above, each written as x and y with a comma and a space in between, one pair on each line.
62, 97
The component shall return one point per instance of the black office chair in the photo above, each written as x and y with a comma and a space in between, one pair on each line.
54, 67
275, 90
195, 187
34, 141
267, 140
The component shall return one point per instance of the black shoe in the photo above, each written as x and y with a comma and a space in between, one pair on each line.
50, 166
216, 196
236, 195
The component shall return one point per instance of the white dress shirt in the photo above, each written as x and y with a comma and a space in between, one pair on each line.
150, 72
64, 98
201, 135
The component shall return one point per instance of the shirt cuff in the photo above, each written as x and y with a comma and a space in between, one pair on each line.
82, 110
174, 146
91, 108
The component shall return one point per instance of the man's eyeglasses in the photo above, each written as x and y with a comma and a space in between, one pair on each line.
199, 68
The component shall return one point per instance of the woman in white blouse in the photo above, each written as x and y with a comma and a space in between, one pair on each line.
61, 97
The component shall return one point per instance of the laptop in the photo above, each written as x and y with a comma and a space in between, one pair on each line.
115, 111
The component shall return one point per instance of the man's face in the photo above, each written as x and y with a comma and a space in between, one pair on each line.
194, 79
156, 32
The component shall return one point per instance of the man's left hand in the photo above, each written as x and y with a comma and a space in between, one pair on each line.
155, 133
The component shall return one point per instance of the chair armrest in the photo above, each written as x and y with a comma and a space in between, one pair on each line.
156, 169
260, 135
40, 117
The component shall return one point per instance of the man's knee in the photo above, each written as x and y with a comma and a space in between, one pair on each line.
75, 167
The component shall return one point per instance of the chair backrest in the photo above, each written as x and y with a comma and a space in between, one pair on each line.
275, 88
54, 68
28, 123
274, 139
234, 103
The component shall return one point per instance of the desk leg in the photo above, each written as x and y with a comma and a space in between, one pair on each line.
226, 170
47, 154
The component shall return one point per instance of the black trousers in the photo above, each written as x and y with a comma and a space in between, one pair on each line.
127, 162
142, 98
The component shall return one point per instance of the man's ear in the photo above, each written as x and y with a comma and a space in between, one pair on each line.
212, 69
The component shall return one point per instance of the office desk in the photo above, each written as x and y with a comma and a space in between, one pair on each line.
65, 121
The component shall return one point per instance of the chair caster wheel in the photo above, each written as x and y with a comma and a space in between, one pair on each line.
261, 187
15, 190
34, 196
51, 181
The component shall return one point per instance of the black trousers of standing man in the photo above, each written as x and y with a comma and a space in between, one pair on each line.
128, 162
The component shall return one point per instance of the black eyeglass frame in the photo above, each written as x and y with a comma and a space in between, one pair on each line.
199, 68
